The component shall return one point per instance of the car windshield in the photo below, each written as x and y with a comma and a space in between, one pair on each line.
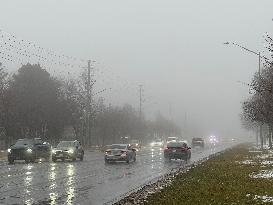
24, 142
171, 138
66, 144
117, 146
176, 144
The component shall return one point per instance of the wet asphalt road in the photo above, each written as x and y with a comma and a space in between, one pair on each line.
89, 182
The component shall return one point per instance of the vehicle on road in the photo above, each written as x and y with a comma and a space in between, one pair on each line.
177, 150
68, 150
198, 142
120, 152
213, 139
135, 144
171, 139
157, 143
29, 150
105, 147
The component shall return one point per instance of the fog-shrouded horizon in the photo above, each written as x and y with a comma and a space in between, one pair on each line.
173, 48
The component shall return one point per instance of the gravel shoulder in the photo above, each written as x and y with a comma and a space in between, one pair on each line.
240, 175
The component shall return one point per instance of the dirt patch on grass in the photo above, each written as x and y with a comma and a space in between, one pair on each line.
224, 179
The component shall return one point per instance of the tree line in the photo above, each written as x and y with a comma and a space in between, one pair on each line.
257, 110
34, 103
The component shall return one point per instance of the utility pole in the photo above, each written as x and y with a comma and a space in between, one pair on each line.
88, 102
261, 125
259, 72
140, 102
140, 112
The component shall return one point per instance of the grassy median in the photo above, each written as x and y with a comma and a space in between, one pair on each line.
238, 176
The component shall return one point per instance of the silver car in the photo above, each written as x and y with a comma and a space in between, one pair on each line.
120, 152
68, 150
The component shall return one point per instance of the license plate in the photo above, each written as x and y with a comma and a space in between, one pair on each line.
174, 150
60, 155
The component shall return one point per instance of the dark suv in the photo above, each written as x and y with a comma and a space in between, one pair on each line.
198, 141
29, 150
68, 150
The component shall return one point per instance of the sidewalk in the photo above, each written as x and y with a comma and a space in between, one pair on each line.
242, 175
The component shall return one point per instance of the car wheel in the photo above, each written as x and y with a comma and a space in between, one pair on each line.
106, 161
27, 161
81, 158
127, 160
74, 159
63, 159
54, 159
134, 159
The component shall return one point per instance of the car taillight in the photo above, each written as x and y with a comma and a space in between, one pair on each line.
108, 152
183, 149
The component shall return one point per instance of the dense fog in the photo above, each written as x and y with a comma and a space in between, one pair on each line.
173, 48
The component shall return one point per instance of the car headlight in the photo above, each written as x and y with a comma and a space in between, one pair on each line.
136, 144
70, 151
9, 150
29, 150
152, 144
53, 151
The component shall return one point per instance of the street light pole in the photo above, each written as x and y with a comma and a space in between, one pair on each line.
259, 73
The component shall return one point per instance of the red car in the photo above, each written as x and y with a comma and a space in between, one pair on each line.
177, 150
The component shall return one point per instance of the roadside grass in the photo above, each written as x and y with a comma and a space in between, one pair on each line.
225, 179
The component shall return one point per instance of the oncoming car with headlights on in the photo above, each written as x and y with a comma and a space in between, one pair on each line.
120, 152
157, 143
29, 150
68, 150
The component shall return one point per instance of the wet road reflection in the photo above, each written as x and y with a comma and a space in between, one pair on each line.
28, 184
88, 182
70, 184
53, 186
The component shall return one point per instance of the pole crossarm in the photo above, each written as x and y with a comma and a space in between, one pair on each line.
246, 49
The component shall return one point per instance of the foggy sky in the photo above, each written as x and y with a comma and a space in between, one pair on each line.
173, 47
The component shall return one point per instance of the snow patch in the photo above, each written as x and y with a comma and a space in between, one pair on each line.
266, 162
264, 174
259, 151
246, 162
265, 198
264, 156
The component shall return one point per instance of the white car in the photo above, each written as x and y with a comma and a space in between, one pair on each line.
120, 152
157, 143
171, 139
